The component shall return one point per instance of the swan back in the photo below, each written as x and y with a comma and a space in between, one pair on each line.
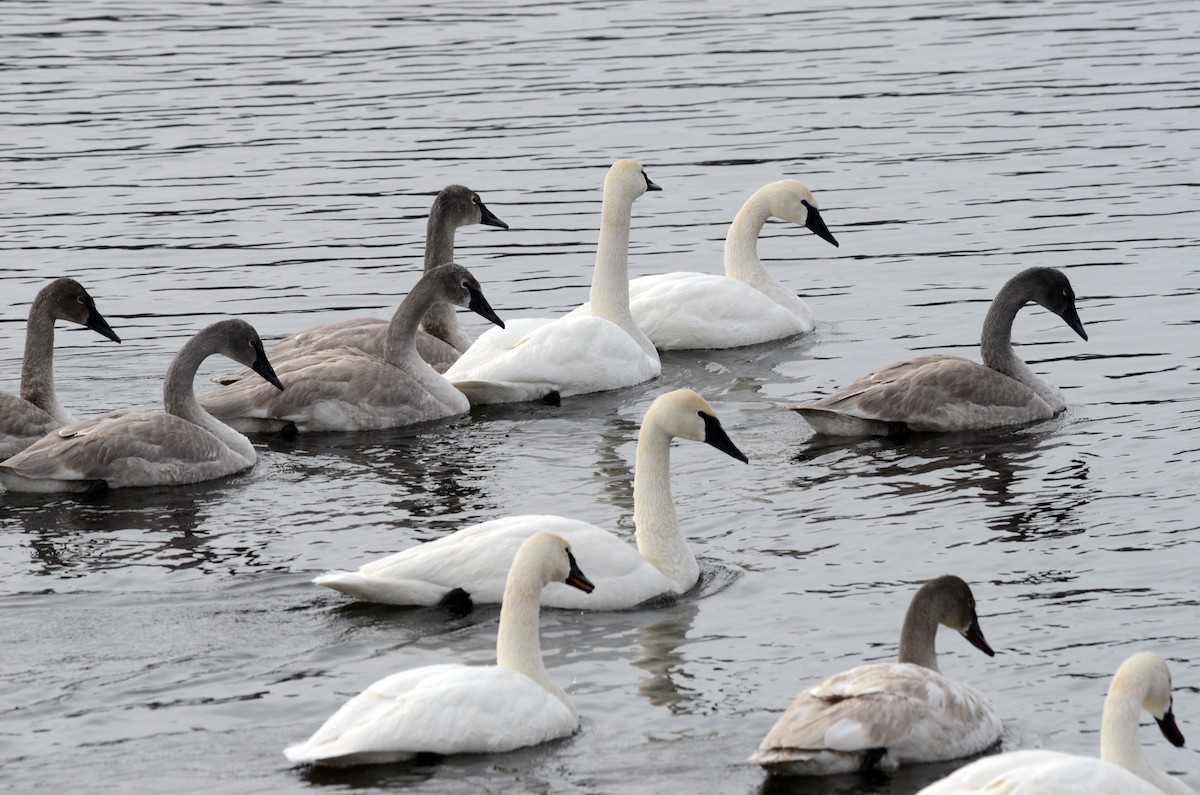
945, 601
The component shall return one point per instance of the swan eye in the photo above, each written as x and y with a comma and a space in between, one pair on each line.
79, 298
466, 286
475, 200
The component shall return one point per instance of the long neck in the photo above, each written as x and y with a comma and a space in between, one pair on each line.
918, 637
518, 647
741, 253
400, 344
440, 319
610, 279
179, 395
659, 537
995, 344
37, 370
1119, 741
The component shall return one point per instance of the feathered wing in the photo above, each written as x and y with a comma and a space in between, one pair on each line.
1041, 773
340, 389
530, 358
443, 709
916, 714
138, 448
21, 424
937, 393
478, 558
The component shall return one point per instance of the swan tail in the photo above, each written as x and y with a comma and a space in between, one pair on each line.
385, 591
834, 423
481, 392
14, 482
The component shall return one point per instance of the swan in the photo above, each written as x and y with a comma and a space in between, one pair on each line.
1142, 682
538, 359
345, 389
464, 709
145, 448
701, 311
948, 393
476, 558
887, 714
440, 341
25, 419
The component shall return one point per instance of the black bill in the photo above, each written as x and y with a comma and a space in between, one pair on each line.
1166, 725
975, 635
264, 368
96, 322
1072, 318
715, 435
650, 185
488, 218
576, 578
480, 306
817, 224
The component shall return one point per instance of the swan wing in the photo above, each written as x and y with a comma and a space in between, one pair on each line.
531, 358
444, 709
21, 424
1041, 773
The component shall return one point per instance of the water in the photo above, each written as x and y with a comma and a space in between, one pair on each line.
190, 161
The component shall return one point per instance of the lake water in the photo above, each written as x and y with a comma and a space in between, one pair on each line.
190, 161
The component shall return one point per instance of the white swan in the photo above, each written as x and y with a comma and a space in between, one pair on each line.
346, 389
887, 714
536, 359
25, 419
701, 311
476, 558
948, 393
461, 709
440, 341
146, 448
1142, 682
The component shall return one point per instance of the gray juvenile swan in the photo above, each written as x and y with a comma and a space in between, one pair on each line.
464, 709
888, 714
1142, 682
25, 419
949, 393
441, 340
145, 448
346, 389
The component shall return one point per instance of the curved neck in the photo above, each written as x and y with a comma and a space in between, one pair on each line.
609, 295
37, 369
918, 637
179, 395
400, 340
518, 647
995, 344
1119, 741
656, 526
741, 253
440, 319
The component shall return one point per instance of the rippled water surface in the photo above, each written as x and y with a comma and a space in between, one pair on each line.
188, 161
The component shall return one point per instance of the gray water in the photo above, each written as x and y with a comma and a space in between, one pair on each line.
190, 161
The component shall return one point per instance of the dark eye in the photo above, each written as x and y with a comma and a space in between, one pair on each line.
79, 298
475, 200
466, 286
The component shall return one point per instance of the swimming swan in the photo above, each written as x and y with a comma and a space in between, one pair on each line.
701, 311
476, 558
1142, 682
345, 389
948, 393
887, 714
146, 448
464, 709
533, 359
441, 340
25, 419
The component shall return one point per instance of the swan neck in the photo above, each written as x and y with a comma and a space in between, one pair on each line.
741, 243
400, 343
518, 647
440, 319
179, 394
660, 539
996, 349
918, 637
609, 295
37, 368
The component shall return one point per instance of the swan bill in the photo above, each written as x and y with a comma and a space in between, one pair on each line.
975, 635
480, 306
1169, 729
715, 435
816, 224
576, 578
1072, 318
650, 185
488, 218
96, 322
263, 367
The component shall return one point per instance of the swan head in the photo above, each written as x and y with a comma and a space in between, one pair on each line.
238, 340
547, 558
791, 200
953, 605
685, 415
464, 207
69, 301
1146, 677
627, 179
1051, 288
459, 287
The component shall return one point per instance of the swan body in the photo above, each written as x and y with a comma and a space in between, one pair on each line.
579, 353
476, 558
36, 411
440, 340
949, 393
1142, 682
456, 709
746, 306
889, 714
144, 448
346, 389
